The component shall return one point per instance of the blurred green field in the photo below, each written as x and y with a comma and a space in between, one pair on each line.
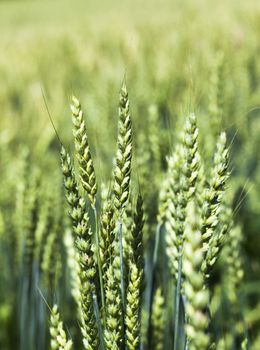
177, 57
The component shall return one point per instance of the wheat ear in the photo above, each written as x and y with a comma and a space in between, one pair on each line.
86, 167
132, 316
85, 254
58, 336
122, 173
213, 194
194, 286
158, 320
122, 170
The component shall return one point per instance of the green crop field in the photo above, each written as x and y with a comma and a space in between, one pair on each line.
130, 175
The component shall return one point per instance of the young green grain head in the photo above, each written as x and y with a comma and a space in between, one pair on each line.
184, 164
85, 254
213, 194
137, 234
113, 329
58, 336
158, 320
194, 287
122, 169
133, 308
86, 168
107, 236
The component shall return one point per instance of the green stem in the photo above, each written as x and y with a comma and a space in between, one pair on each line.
122, 281
151, 288
97, 315
177, 302
183, 299
241, 308
156, 246
99, 262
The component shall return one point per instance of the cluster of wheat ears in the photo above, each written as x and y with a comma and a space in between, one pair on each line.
120, 302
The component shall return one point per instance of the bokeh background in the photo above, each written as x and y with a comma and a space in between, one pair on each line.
177, 57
